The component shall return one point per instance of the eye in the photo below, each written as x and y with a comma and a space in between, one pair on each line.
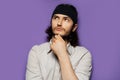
66, 19
55, 17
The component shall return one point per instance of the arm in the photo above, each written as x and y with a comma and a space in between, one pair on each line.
59, 48
83, 68
66, 68
33, 70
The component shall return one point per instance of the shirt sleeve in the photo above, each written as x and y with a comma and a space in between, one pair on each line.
84, 67
33, 71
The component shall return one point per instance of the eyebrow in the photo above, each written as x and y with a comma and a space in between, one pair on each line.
63, 17
55, 16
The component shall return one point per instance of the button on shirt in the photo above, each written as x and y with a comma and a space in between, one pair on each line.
43, 65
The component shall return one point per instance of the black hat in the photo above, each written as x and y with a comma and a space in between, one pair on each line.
68, 10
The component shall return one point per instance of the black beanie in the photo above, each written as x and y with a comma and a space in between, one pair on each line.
67, 9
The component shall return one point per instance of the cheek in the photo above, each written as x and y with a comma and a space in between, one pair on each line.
67, 27
53, 24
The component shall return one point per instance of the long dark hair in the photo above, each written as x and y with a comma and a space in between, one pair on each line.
72, 37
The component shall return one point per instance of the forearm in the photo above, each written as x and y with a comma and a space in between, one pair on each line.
66, 68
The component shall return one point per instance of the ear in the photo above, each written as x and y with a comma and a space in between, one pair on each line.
74, 27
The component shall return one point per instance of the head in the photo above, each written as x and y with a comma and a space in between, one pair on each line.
64, 22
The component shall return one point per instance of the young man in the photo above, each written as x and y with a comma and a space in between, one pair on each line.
61, 58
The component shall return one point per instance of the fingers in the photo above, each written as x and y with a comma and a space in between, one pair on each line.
55, 38
58, 37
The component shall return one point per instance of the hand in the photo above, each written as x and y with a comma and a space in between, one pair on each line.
58, 46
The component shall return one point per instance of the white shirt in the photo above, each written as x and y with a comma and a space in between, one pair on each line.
42, 65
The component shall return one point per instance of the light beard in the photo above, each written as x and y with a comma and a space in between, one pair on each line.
64, 37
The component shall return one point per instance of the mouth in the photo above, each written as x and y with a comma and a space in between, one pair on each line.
58, 29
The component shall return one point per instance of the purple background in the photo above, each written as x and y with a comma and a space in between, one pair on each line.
23, 22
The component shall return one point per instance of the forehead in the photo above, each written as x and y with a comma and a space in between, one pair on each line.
61, 15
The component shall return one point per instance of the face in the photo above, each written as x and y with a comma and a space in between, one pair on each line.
62, 25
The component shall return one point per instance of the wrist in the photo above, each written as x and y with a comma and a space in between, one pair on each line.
63, 56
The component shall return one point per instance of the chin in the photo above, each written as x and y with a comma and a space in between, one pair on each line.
60, 34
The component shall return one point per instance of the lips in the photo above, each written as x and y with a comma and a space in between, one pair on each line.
58, 29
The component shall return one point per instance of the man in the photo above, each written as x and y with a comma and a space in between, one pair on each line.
61, 58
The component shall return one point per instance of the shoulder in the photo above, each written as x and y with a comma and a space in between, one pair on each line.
81, 50
40, 47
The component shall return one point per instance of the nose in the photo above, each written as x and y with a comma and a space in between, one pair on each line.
59, 23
